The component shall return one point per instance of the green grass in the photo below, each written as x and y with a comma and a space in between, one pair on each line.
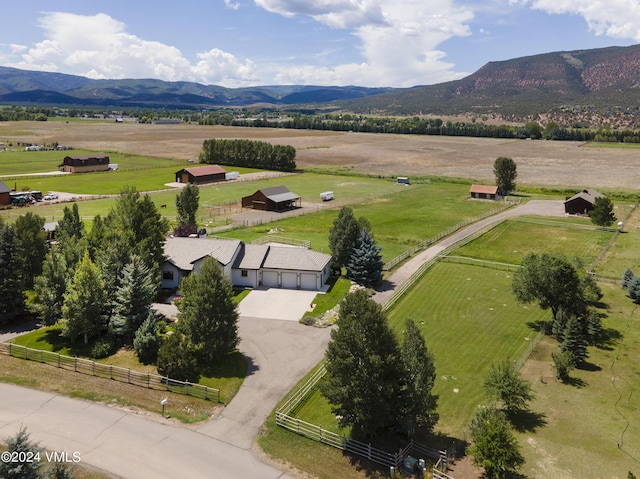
324, 302
624, 253
226, 374
510, 241
470, 320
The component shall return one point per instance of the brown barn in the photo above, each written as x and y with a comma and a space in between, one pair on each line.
581, 203
277, 198
485, 192
201, 174
5, 197
85, 164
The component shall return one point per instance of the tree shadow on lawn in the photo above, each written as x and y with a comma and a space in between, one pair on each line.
609, 338
587, 366
524, 420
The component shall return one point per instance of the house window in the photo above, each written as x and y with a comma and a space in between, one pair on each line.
244, 273
167, 275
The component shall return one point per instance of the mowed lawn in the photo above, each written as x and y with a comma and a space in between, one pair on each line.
470, 320
511, 240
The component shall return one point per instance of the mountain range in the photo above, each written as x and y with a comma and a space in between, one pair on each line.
597, 78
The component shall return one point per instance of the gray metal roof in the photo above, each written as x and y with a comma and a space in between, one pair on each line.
251, 256
183, 252
283, 197
4, 188
282, 257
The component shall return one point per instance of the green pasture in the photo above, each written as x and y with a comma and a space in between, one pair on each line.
399, 221
591, 427
33, 162
470, 320
511, 240
624, 252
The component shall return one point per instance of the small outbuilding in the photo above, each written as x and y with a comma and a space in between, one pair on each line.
277, 198
85, 164
485, 192
201, 174
5, 197
582, 203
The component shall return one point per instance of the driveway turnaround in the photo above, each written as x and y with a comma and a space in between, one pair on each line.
276, 303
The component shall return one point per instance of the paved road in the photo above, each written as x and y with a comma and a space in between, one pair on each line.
123, 443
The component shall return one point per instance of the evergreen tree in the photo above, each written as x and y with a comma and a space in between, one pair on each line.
365, 262
627, 277
633, 288
504, 384
595, 330
420, 402
494, 446
22, 469
187, 202
111, 261
575, 340
365, 371
70, 238
505, 171
147, 341
33, 246
177, 359
133, 299
208, 315
138, 226
84, 302
11, 294
602, 213
343, 236
49, 288
97, 237
60, 470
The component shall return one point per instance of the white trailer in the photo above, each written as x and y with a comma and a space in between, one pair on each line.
231, 175
326, 196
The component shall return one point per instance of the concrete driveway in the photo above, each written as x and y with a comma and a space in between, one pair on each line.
276, 303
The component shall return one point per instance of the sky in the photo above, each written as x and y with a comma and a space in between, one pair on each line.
242, 43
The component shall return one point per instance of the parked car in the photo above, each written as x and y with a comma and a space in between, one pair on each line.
50, 196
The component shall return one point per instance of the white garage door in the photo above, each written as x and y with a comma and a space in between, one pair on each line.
308, 281
289, 280
270, 279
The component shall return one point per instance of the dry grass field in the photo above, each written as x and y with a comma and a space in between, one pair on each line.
540, 163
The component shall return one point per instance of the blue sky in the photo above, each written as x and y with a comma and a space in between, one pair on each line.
235, 43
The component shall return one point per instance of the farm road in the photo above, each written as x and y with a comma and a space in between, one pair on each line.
402, 274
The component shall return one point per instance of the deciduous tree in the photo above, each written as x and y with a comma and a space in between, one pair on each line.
364, 383
494, 446
49, 288
504, 385
550, 280
177, 359
602, 213
505, 171
187, 202
84, 302
207, 314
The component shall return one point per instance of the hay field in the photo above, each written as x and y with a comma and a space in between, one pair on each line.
540, 163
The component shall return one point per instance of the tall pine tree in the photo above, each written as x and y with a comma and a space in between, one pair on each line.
343, 236
50, 287
365, 262
11, 295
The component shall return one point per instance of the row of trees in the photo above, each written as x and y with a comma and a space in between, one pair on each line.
249, 154
352, 247
374, 383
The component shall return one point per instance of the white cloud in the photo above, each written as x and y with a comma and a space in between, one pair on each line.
398, 40
613, 18
99, 46
232, 5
